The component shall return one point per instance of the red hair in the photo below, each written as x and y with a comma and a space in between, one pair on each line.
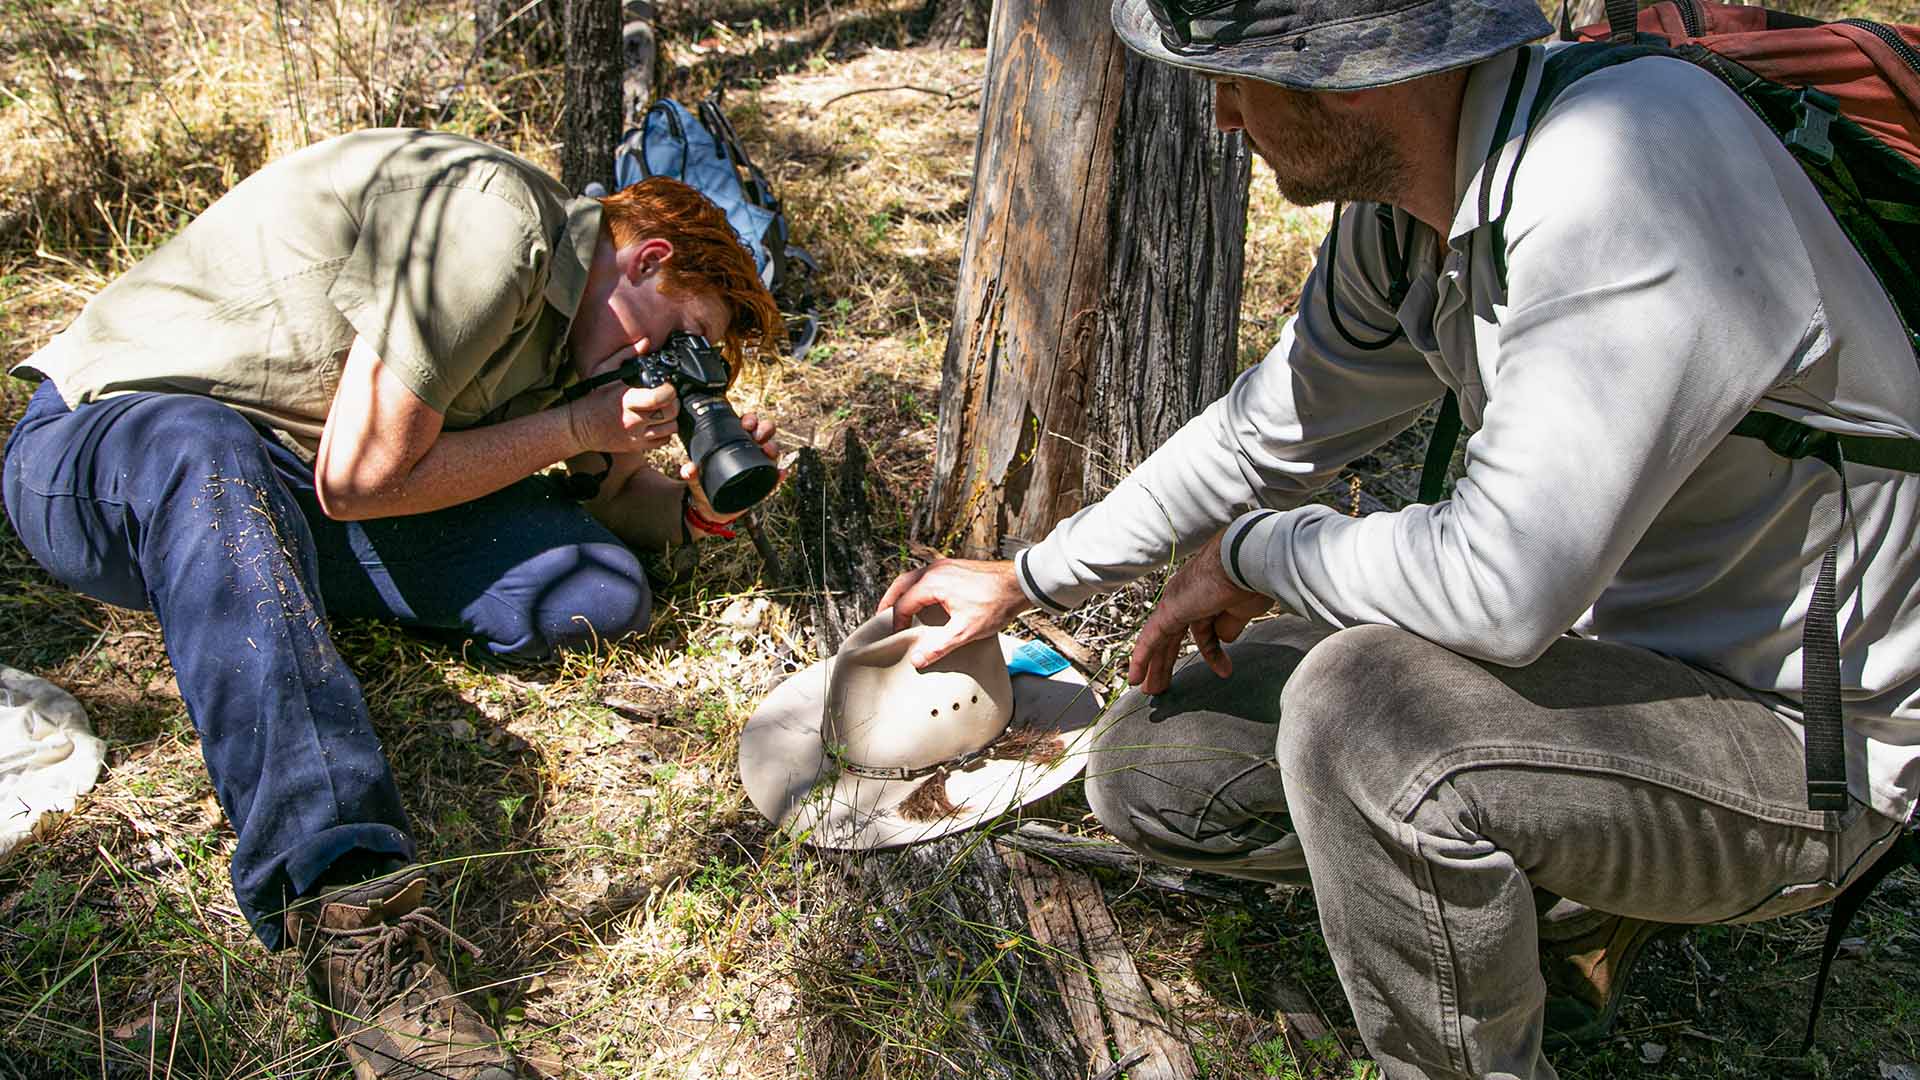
708, 257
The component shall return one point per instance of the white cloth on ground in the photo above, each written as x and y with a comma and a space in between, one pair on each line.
49, 755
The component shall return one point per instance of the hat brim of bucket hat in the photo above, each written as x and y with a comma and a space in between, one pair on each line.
1423, 38
794, 782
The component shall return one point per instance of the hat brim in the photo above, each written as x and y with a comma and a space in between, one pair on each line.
794, 783
1426, 38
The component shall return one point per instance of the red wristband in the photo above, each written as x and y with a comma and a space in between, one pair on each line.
700, 522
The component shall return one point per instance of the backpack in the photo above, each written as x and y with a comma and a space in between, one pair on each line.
1844, 99
703, 152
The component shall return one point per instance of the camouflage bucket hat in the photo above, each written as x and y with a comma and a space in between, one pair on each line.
1325, 44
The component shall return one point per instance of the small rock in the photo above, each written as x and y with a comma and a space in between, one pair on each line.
460, 729
701, 1012
1651, 1053
746, 613
1899, 1070
1851, 948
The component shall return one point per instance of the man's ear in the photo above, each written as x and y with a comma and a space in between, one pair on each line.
638, 260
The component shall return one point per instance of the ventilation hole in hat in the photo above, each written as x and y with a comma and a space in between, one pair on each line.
976, 699
1299, 44
933, 712
956, 706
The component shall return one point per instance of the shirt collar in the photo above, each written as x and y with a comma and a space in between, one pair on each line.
568, 280
1482, 169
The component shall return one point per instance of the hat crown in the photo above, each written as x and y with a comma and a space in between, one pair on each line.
883, 713
1326, 44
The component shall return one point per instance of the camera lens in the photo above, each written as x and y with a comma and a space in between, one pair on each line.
734, 471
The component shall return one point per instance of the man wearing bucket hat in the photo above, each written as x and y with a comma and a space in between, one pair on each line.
1558, 710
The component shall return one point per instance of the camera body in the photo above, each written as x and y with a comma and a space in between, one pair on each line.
734, 472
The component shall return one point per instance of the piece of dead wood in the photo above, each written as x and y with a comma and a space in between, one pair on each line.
1051, 632
1308, 1034
1070, 917
956, 911
1108, 855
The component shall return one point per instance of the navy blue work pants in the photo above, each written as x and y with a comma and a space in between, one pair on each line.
176, 504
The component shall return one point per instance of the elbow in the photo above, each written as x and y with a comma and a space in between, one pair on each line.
1515, 640
341, 498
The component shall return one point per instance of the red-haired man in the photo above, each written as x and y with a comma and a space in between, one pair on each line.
335, 393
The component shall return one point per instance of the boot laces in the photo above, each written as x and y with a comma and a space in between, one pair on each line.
382, 957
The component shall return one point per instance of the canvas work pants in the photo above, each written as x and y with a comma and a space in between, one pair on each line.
177, 504
1427, 796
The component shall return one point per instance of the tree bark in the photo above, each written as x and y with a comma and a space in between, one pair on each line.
1100, 275
640, 58
593, 116
954, 22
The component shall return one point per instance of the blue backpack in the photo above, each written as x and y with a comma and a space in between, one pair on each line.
702, 151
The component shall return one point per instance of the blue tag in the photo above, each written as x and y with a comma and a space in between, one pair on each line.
1034, 658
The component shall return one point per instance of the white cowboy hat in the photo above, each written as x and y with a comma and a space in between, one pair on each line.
864, 751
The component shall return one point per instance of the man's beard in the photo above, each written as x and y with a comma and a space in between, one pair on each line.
1319, 159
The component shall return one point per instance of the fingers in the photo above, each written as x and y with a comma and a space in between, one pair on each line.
921, 596
951, 636
620, 356
900, 584
1205, 637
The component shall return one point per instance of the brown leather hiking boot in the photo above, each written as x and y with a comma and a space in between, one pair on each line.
370, 963
1586, 957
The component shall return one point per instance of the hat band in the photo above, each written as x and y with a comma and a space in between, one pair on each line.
901, 772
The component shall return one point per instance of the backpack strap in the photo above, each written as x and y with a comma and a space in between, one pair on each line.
1904, 852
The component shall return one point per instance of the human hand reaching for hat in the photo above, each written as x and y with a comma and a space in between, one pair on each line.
1199, 600
980, 598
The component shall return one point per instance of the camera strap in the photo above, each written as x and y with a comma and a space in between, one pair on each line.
586, 386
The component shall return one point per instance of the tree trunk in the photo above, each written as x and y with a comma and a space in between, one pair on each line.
1100, 276
953, 22
641, 59
592, 117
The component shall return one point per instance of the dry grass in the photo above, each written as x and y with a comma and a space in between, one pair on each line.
639, 919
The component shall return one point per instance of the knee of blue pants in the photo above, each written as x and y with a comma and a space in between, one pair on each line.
572, 597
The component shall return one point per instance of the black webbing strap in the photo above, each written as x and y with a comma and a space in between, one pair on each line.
1904, 852
1623, 18
1819, 630
1446, 432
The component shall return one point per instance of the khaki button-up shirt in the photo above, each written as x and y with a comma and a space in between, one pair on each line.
461, 264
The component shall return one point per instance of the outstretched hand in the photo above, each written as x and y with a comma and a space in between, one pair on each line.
1199, 600
980, 598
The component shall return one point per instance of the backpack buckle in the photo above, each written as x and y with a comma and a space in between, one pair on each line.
1796, 441
1814, 113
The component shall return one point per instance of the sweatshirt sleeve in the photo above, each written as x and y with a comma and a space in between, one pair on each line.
1650, 305
1286, 427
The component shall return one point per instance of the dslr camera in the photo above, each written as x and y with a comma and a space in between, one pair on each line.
735, 472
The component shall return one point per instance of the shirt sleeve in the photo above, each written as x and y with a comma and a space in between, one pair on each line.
1657, 289
1285, 427
436, 282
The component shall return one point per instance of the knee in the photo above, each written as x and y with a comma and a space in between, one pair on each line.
589, 594
1354, 709
189, 428
1116, 763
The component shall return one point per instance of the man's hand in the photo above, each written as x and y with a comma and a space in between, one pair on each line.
620, 419
1200, 600
762, 430
979, 597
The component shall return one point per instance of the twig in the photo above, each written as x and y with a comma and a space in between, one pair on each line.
935, 91
768, 557
1133, 1057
